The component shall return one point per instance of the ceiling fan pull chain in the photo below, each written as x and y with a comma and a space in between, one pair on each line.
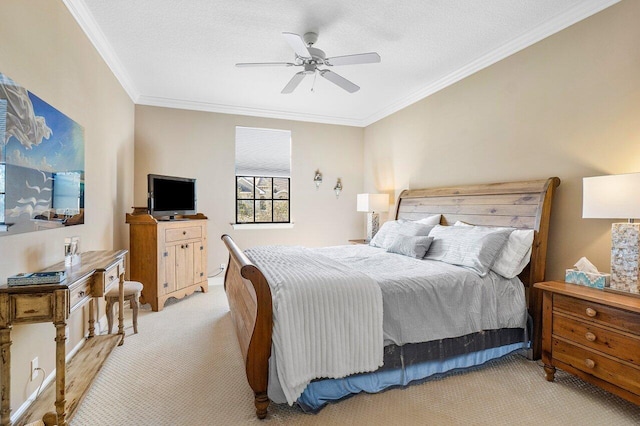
315, 75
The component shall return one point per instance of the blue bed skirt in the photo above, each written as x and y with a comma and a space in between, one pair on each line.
319, 393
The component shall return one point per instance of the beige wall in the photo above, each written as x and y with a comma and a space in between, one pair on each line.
202, 145
44, 50
568, 106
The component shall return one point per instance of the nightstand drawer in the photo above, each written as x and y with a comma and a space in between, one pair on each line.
584, 309
618, 345
601, 366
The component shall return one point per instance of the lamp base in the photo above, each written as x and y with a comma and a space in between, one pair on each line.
625, 257
373, 224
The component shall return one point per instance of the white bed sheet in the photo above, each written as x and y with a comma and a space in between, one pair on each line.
426, 300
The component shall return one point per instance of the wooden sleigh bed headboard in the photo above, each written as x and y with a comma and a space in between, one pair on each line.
525, 205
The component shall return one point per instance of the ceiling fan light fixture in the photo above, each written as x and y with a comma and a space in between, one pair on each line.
311, 58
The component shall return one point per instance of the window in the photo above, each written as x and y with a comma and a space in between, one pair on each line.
263, 175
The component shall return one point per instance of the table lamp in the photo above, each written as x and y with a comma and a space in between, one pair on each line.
372, 204
615, 197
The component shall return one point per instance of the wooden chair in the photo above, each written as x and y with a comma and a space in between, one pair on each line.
132, 291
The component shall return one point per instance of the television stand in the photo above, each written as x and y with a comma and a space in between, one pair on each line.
169, 257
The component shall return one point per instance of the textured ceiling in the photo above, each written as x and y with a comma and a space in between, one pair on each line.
181, 53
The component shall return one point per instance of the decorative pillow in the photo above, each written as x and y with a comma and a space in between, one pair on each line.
430, 220
412, 246
515, 254
470, 246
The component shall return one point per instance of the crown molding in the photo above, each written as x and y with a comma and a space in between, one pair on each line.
573, 15
557, 24
254, 112
84, 18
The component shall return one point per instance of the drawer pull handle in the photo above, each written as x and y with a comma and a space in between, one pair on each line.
591, 312
184, 232
81, 294
590, 336
111, 277
165, 285
589, 363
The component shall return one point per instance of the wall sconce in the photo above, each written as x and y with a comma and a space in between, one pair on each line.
338, 188
317, 179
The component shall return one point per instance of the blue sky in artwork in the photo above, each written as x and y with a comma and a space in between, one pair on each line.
63, 151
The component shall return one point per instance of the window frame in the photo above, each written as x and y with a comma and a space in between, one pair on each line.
254, 200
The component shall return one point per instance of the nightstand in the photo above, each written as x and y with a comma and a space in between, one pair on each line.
366, 242
592, 334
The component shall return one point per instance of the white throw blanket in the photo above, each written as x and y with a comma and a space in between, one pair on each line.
327, 318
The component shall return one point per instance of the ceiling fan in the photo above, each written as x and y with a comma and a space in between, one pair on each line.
311, 58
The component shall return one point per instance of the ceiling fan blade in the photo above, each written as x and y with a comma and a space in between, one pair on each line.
293, 83
297, 44
264, 64
339, 81
360, 58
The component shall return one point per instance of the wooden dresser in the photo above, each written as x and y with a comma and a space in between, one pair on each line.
592, 334
169, 258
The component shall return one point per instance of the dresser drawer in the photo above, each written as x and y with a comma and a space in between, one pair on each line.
601, 366
181, 234
618, 345
607, 315
79, 294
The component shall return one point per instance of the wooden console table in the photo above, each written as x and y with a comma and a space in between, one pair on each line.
96, 272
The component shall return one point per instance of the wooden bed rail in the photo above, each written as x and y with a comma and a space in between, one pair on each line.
251, 311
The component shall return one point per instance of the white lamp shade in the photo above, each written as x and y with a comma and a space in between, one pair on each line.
373, 202
611, 197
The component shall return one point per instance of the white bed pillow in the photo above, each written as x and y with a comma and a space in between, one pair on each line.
389, 230
473, 247
430, 220
412, 246
515, 254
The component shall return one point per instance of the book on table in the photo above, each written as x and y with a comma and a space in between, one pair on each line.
30, 278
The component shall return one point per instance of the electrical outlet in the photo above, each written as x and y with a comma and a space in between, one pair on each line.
222, 266
34, 368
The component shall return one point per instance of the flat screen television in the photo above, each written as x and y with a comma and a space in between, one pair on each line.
171, 196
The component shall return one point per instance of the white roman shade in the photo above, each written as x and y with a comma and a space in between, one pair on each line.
263, 152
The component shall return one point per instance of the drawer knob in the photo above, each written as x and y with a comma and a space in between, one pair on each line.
589, 363
591, 312
184, 232
111, 277
81, 294
590, 336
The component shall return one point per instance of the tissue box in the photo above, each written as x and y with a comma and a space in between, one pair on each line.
587, 279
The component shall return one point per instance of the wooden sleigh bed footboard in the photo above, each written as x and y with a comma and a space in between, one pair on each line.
251, 311
524, 205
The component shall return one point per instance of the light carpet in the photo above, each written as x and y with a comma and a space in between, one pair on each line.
184, 368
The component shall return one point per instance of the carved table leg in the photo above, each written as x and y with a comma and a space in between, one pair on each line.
549, 372
262, 403
61, 338
5, 353
92, 321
